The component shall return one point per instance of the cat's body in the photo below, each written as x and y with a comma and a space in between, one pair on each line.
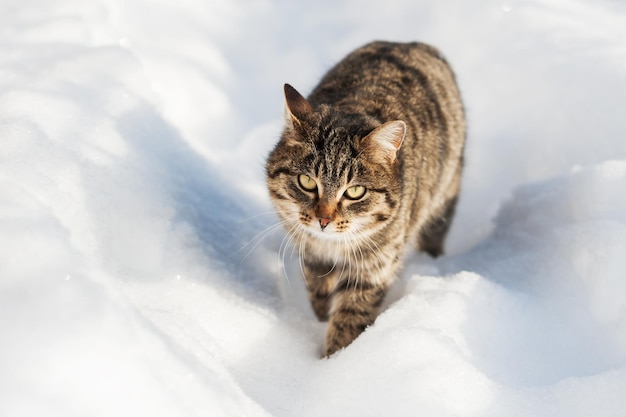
369, 163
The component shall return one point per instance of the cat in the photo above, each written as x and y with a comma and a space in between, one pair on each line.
368, 164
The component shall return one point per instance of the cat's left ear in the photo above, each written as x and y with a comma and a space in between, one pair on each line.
384, 141
296, 106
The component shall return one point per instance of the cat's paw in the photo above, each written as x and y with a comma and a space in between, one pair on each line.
320, 308
340, 335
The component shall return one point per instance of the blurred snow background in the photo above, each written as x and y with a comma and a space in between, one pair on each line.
138, 274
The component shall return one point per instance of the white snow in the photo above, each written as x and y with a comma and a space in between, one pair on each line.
140, 273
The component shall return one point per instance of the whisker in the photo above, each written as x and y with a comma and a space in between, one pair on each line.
356, 262
259, 237
290, 236
362, 266
374, 248
256, 216
282, 250
301, 255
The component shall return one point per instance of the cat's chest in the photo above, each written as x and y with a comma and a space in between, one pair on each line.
346, 250
325, 249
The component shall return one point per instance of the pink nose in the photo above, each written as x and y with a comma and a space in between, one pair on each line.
324, 222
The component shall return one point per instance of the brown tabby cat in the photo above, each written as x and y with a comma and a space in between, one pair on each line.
369, 162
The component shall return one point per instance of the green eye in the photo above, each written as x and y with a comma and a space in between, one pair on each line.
307, 183
355, 192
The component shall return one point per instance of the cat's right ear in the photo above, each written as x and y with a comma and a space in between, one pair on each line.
296, 106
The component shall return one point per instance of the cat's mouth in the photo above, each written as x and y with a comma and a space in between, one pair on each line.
325, 231
337, 230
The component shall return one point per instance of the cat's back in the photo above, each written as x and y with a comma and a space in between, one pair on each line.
390, 80
381, 60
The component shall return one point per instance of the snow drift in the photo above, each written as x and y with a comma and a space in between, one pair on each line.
140, 270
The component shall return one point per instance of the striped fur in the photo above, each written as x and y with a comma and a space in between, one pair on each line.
388, 118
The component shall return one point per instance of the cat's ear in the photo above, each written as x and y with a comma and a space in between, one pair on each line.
384, 141
296, 106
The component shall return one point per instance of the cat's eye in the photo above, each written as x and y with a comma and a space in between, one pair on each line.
355, 192
307, 183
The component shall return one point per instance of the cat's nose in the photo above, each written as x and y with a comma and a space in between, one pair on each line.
324, 222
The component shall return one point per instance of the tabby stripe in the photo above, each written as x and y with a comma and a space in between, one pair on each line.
344, 166
348, 285
350, 175
315, 266
341, 327
309, 160
388, 200
434, 110
277, 195
377, 292
381, 297
275, 173
321, 295
380, 217
349, 311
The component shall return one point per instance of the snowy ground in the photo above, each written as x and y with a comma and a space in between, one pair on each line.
136, 278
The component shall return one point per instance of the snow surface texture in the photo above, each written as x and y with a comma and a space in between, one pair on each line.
139, 272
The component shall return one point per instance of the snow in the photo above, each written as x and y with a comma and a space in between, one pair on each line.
141, 272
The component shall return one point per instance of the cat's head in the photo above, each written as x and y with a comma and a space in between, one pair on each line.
334, 174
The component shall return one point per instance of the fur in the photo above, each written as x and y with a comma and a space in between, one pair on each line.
388, 122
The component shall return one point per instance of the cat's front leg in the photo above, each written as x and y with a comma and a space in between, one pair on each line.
354, 308
320, 279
